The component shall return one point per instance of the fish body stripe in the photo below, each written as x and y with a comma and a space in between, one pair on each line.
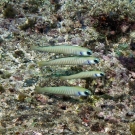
63, 90
70, 61
92, 74
64, 49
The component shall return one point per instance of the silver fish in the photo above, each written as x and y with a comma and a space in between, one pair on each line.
65, 49
63, 90
71, 61
92, 74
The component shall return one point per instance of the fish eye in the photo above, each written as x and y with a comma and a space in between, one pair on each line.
96, 61
87, 93
89, 52
101, 74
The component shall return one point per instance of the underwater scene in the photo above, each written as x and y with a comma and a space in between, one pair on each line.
67, 67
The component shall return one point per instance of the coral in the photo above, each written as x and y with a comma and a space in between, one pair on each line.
110, 18
128, 62
87, 23
97, 127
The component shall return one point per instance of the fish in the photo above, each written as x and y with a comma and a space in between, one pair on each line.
87, 74
64, 49
63, 90
70, 61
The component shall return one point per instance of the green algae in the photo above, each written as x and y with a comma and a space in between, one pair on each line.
18, 53
2, 89
122, 50
9, 11
91, 100
132, 128
30, 23
21, 96
6, 75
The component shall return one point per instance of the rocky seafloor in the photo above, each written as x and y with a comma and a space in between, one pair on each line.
111, 108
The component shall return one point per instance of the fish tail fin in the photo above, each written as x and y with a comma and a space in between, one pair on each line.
41, 63
40, 90
37, 48
37, 89
33, 47
63, 77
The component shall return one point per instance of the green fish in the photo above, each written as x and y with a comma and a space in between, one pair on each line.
64, 90
71, 61
65, 49
87, 74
